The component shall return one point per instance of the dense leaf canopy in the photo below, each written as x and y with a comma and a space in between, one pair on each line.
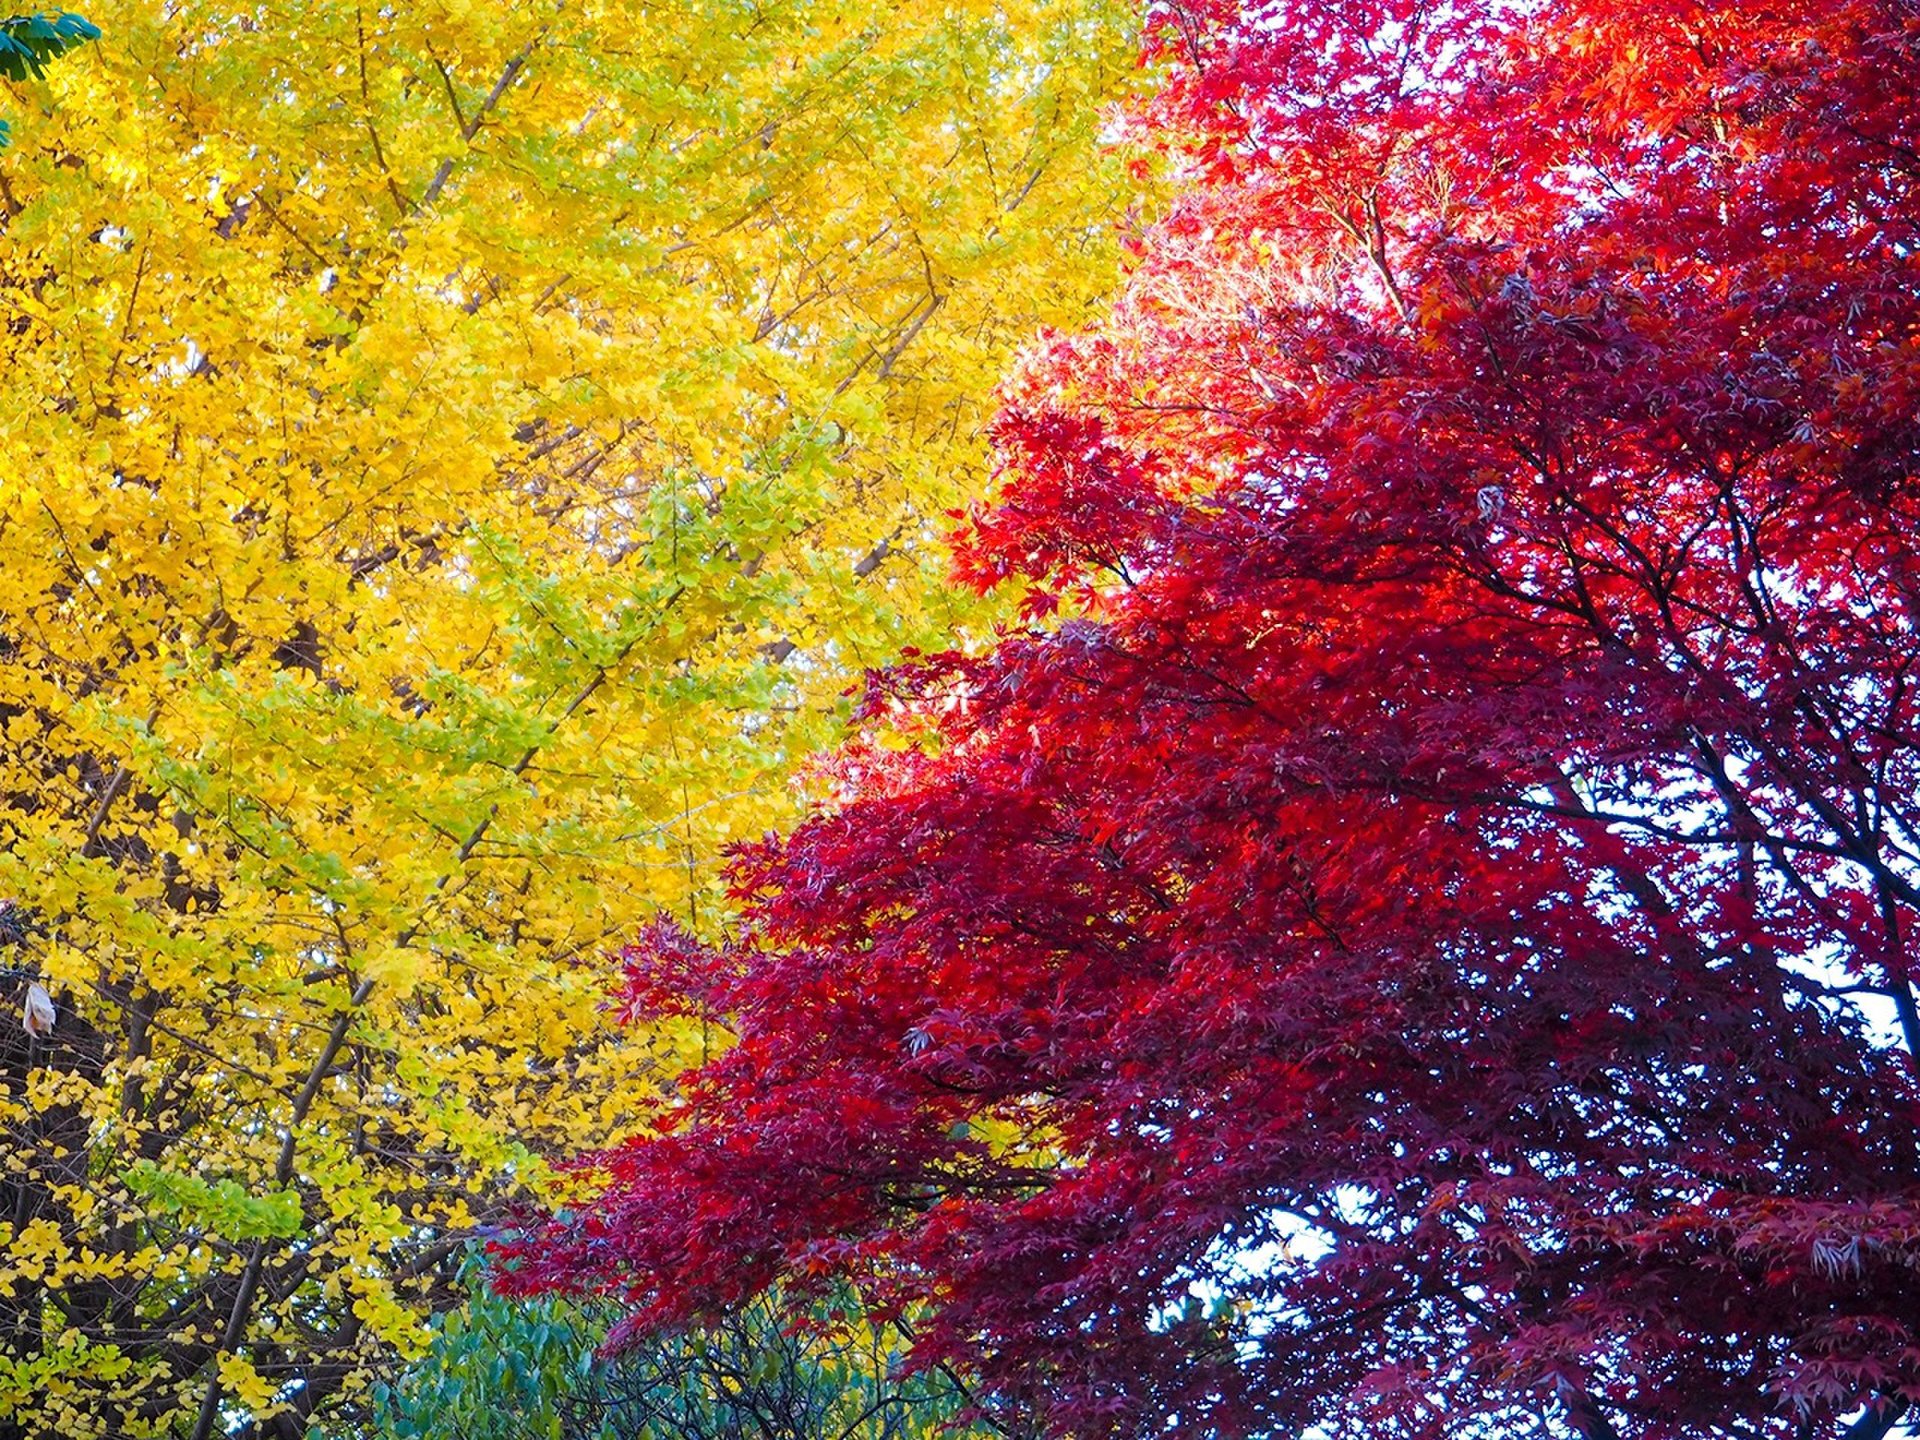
455, 455
1419, 945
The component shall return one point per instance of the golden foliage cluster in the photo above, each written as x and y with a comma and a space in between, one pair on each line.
455, 457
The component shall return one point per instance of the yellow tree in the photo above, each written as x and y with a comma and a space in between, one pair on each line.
452, 457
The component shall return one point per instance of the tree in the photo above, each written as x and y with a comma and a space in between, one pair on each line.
507, 1370
1420, 944
765, 1373
454, 456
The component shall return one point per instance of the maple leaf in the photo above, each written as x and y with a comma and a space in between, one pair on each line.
1425, 949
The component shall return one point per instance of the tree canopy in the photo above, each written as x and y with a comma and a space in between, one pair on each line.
455, 456
1413, 934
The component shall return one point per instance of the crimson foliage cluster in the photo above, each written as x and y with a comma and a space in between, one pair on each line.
1417, 929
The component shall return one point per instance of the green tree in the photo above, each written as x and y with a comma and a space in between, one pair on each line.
506, 1370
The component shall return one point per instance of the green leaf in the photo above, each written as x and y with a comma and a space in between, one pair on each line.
221, 1206
28, 42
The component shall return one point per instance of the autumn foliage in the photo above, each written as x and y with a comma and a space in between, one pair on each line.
1416, 932
453, 456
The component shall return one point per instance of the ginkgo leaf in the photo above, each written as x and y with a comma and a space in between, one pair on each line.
417, 418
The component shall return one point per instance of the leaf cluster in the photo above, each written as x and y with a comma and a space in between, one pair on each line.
28, 43
1415, 934
457, 456
506, 1370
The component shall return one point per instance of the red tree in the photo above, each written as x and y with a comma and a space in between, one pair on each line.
1428, 941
